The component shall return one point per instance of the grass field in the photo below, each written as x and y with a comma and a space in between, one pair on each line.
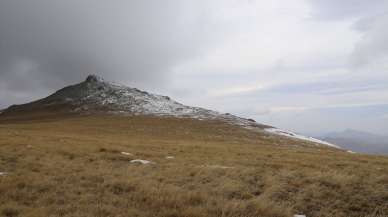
73, 166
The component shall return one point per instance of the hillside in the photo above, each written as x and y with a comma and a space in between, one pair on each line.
81, 166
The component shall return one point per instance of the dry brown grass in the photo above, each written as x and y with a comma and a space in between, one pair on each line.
73, 167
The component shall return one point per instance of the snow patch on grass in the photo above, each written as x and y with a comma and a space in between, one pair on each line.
126, 153
217, 167
142, 161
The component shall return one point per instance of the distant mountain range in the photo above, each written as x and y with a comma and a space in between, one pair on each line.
359, 141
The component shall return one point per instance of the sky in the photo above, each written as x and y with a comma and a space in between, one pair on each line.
311, 66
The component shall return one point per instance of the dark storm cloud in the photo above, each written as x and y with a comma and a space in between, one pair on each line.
45, 44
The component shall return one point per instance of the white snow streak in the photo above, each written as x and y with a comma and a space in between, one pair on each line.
126, 153
297, 136
142, 161
217, 167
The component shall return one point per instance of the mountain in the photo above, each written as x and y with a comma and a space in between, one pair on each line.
97, 96
359, 141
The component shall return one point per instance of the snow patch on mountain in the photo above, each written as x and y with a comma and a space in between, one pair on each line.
290, 134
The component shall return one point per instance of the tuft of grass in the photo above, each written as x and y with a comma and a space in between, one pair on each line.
10, 212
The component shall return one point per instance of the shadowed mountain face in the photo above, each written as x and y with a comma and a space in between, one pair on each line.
359, 141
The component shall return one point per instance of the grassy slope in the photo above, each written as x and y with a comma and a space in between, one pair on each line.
73, 167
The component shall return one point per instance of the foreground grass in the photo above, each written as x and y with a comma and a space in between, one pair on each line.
74, 167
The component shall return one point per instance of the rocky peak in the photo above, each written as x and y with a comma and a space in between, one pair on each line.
94, 79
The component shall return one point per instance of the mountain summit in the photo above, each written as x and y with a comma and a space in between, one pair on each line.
94, 78
97, 96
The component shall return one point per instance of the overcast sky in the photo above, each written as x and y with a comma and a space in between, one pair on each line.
311, 66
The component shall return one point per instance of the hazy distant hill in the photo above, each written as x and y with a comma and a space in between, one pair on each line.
359, 141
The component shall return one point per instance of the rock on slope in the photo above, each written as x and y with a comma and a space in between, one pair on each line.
95, 95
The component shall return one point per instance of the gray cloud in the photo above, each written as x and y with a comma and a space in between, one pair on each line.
370, 19
373, 47
47, 44
343, 9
